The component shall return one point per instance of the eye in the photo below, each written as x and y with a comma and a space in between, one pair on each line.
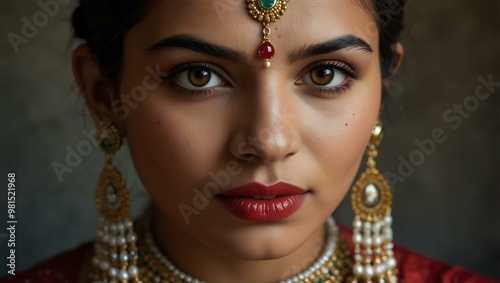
197, 78
328, 78
325, 76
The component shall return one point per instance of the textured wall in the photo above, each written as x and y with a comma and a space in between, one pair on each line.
447, 207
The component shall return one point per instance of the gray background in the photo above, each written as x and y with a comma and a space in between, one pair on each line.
448, 208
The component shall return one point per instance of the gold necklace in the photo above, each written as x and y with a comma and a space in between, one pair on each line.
333, 266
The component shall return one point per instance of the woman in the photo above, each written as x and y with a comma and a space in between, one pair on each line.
247, 123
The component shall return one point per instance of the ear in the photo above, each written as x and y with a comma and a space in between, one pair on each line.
399, 51
98, 91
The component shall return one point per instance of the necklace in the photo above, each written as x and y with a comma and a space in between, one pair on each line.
332, 266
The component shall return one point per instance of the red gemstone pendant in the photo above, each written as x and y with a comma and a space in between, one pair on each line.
266, 50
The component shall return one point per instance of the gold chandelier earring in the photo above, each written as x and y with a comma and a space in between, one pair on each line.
115, 251
371, 200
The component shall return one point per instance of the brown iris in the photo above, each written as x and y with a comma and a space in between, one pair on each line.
199, 77
322, 75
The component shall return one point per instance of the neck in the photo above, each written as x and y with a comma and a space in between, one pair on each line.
198, 260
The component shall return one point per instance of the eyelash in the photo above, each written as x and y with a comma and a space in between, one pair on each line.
352, 75
191, 93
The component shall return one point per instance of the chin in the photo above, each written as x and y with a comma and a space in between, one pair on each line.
242, 240
258, 243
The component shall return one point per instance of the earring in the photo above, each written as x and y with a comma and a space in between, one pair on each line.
115, 251
371, 200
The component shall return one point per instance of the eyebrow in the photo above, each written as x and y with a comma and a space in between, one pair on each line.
346, 41
197, 45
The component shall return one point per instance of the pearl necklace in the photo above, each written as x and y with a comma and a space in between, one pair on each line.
333, 266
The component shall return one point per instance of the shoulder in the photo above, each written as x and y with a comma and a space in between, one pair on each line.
62, 268
416, 268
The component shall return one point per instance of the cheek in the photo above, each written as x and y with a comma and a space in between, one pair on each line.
338, 138
173, 150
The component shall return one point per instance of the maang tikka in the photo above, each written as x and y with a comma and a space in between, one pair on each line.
115, 251
266, 11
371, 200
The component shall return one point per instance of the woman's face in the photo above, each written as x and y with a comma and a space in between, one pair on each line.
218, 119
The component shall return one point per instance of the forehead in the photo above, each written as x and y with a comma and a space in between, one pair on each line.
228, 22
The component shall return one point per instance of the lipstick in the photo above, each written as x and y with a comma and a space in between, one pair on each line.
260, 203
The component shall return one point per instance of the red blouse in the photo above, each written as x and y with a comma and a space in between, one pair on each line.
413, 268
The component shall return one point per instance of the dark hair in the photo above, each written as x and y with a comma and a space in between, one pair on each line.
389, 15
104, 23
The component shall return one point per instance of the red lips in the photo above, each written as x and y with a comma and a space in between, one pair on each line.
259, 203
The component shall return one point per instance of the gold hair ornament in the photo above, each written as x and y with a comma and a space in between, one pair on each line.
266, 11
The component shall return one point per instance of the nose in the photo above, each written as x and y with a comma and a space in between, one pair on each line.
267, 128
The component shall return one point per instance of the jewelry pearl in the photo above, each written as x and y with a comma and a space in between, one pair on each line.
113, 272
357, 238
369, 272
388, 219
133, 270
379, 269
123, 256
131, 238
357, 223
391, 262
123, 274
121, 227
104, 265
358, 269
122, 240
112, 241
128, 223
